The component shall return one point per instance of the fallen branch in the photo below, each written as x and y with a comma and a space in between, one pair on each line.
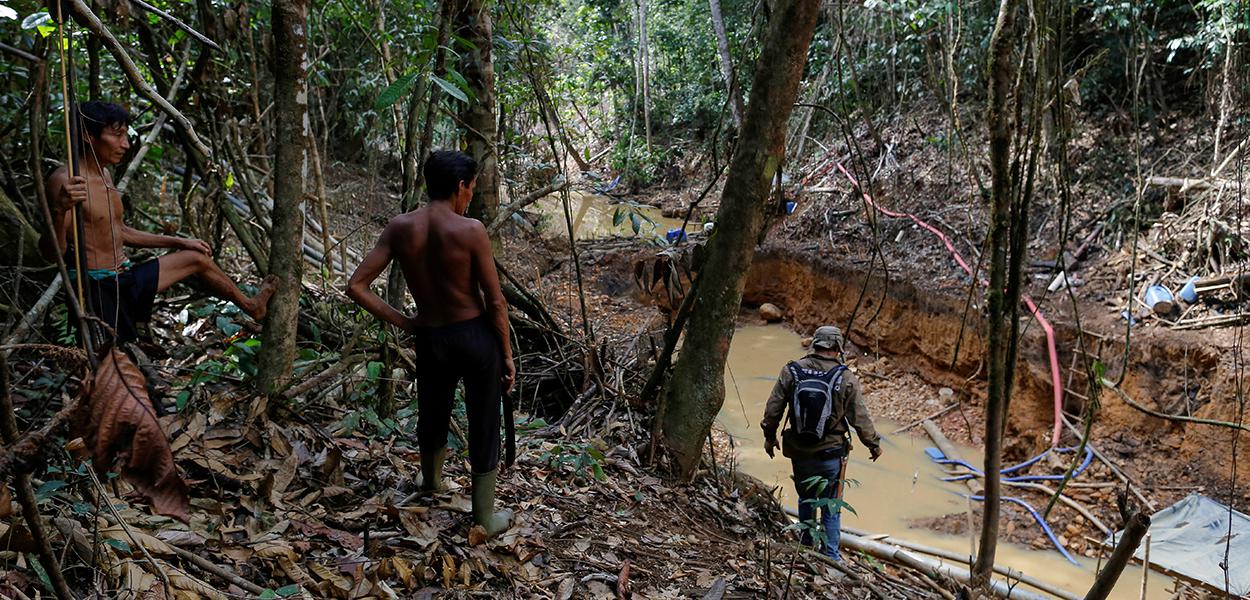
530, 198
324, 376
18, 52
1185, 184
34, 314
1162, 415
117, 520
933, 568
1007, 572
204, 565
92, 22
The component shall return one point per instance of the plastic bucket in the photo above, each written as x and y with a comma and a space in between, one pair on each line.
1159, 299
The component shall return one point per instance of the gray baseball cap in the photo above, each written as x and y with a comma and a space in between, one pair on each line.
827, 337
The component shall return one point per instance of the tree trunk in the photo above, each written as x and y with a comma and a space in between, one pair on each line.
697, 387
726, 65
999, 120
93, 65
644, 67
473, 24
1135, 528
290, 169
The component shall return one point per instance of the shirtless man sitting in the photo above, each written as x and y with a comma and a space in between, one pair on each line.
461, 324
121, 294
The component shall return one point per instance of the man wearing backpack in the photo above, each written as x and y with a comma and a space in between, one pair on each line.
821, 399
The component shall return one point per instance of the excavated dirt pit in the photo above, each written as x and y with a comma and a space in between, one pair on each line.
903, 348
904, 337
910, 330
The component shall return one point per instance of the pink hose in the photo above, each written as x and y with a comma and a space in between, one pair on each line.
1037, 314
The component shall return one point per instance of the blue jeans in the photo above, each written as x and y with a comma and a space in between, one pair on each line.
831, 516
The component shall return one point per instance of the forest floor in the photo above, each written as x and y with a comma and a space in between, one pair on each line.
310, 498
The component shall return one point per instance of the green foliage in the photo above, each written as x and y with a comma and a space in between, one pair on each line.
817, 486
583, 461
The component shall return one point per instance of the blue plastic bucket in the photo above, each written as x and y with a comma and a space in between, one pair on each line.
1159, 299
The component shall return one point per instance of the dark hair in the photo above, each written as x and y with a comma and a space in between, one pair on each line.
97, 115
445, 169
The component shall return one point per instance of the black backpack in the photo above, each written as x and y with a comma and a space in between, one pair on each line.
814, 401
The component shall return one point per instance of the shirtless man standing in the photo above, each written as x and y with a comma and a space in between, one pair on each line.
121, 294
461, 325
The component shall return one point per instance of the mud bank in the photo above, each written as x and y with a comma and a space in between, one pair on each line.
1175, 372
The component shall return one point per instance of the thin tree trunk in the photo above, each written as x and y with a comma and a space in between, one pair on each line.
473, 23
1225, 94
39, 123
644, 59
93, 65
696, 390
1135, 529
726, 64
323, 212
999, 120
245, 21
290, 169
800, 140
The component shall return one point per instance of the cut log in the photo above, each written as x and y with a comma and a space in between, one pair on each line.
1185, 184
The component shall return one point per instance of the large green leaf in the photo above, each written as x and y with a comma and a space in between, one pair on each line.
395, 91
450, 88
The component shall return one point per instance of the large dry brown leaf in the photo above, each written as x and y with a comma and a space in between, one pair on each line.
123, 429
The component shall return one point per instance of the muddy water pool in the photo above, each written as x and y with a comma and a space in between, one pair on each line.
902, 486
592, 216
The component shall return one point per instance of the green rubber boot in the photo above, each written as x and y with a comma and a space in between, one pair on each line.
484, 505
431, 479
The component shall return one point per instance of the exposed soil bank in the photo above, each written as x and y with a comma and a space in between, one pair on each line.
1171, 371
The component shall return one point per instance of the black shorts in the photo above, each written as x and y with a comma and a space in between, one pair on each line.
124, 301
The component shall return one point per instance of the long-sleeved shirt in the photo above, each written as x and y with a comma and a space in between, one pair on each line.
852, 409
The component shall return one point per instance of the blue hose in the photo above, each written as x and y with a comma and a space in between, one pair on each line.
1040, 521
941, 459
938, 457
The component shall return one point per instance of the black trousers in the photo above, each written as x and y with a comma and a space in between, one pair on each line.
468, 351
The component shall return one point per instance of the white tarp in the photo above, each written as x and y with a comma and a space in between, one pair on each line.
1191, 538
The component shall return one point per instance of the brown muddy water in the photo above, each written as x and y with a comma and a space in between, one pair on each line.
592, 216
902, 486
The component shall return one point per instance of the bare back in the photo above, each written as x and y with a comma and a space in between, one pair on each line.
437, 250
